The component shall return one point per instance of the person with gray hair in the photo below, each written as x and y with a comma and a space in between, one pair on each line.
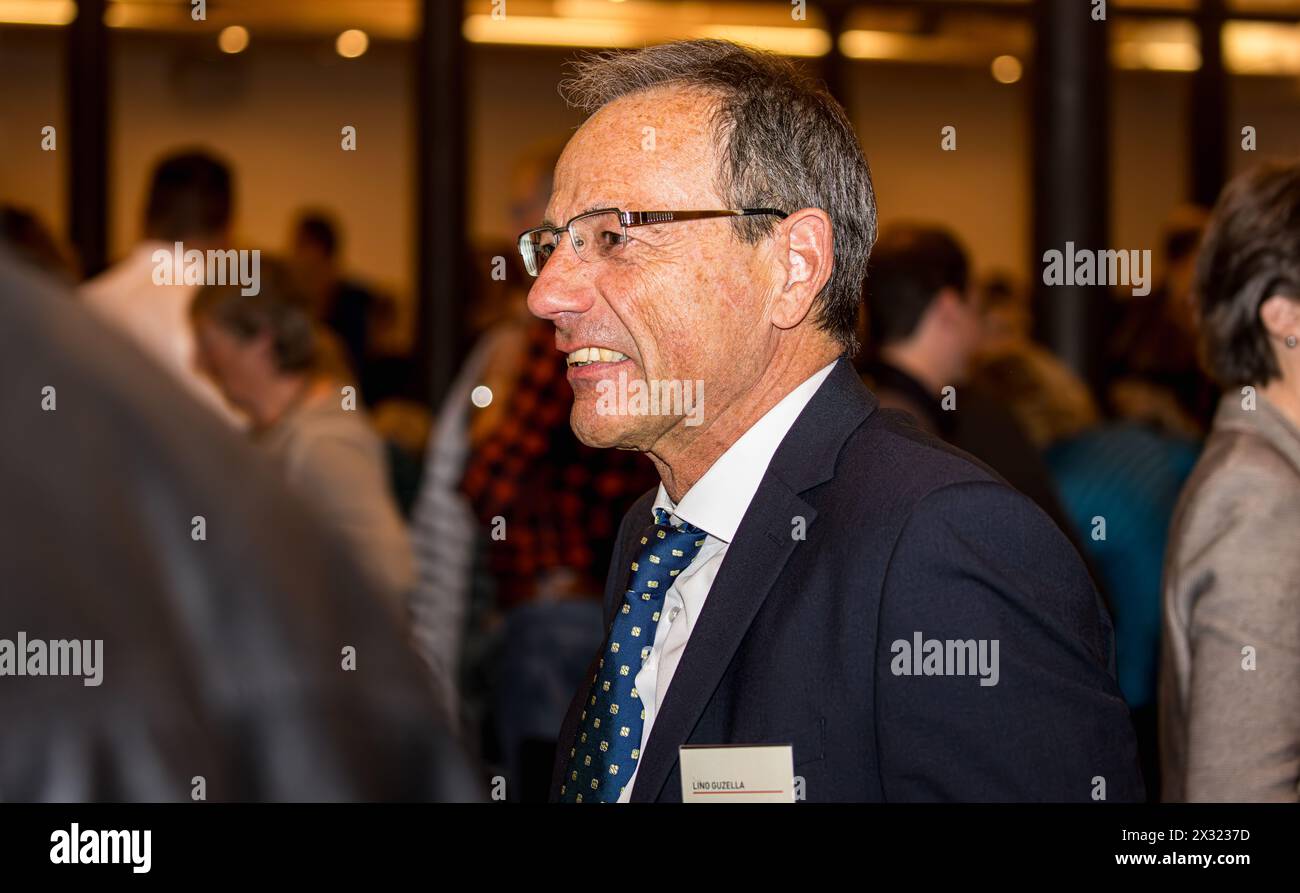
812, 574
272, 362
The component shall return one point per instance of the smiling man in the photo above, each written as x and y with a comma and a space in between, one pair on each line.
711, 223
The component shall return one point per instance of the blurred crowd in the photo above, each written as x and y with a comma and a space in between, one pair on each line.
485, 527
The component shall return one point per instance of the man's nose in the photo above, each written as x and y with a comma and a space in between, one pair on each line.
563, 287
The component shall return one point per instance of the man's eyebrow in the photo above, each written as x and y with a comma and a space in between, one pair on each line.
599, 206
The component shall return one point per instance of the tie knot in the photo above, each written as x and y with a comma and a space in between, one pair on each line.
662, 520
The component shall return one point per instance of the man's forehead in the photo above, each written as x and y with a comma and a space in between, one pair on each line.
649, 149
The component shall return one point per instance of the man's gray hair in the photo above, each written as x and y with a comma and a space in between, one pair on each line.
789, 145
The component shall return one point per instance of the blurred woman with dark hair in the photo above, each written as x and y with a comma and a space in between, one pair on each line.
1230, 678
270, 361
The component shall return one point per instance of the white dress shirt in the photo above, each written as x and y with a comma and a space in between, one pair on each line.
716, 505
155, 317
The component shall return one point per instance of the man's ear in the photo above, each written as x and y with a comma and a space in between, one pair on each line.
1280, 315
807, 250
948, 302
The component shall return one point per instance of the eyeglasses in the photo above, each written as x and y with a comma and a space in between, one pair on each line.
598, 235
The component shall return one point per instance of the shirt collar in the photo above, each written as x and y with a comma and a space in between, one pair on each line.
1265, 420
719, 499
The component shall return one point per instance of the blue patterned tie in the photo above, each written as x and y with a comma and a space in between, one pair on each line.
608, 744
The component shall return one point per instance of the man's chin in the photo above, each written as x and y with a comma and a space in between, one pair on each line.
604, 431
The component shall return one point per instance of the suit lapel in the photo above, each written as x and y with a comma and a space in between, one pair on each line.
754, 560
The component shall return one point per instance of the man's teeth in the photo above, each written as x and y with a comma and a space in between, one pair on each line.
585, 356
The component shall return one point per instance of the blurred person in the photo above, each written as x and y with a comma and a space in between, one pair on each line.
1004, 311
533, 632
1230, 672
263, 352
557, 503
344, 306
1154, 375
355, 317
218, 649
445, 614
403, 424
190, 201
1118, 483
800, 538
444, 531
1049, 402
31, 242
924, 332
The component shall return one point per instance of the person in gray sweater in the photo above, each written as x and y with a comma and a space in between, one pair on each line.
270, 361
1230, 675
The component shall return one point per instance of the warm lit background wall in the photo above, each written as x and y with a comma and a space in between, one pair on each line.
276, 109
276, 112
31, 96
981, 189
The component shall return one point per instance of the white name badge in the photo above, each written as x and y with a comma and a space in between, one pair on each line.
761, 773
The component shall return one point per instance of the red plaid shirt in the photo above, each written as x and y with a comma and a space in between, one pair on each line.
562, 501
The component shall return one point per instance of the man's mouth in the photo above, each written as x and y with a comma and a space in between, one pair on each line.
586, 356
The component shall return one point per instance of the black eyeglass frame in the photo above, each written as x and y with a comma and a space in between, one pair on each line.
628, 219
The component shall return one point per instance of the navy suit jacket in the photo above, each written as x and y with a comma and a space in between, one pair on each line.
902, 534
